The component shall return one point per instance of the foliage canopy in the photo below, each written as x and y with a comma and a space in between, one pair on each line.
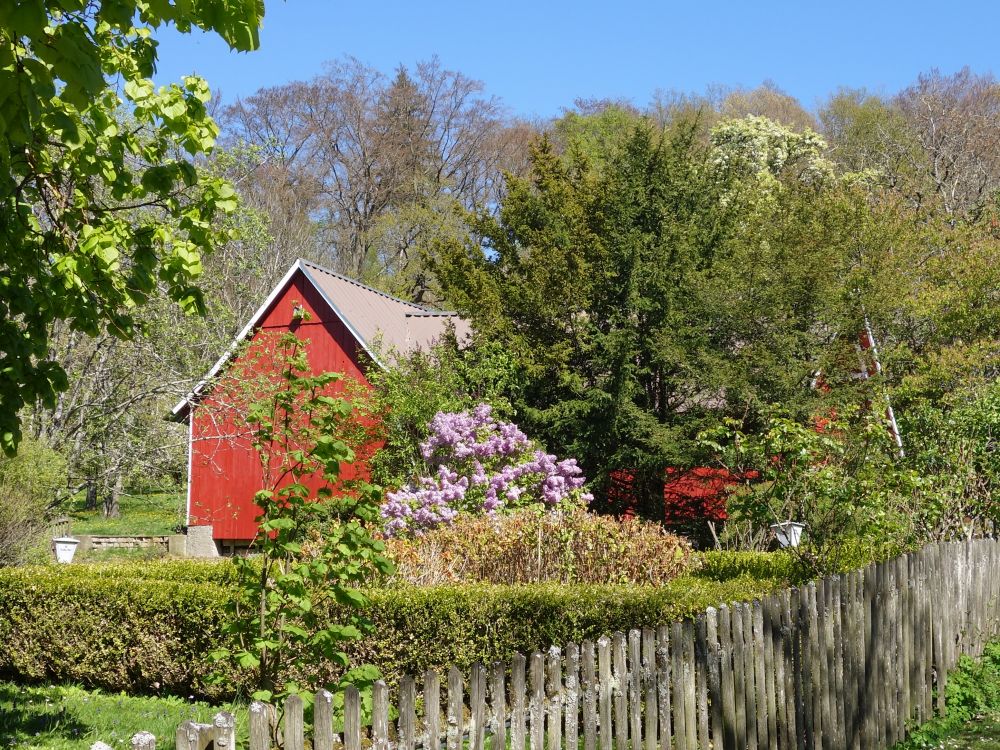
99, 199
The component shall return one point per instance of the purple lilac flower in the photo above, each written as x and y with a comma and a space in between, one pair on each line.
479, 465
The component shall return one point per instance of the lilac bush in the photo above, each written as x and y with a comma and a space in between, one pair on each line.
477, 464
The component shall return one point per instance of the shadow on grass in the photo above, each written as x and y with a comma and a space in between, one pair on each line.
53, 717
26, 716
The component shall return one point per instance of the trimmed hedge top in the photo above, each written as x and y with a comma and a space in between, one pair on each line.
147, 628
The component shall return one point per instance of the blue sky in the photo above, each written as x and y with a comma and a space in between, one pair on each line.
539, 56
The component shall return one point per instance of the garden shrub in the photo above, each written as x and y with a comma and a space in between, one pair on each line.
529, 546
972, 692
140, 636
206, 570
30, 483
723, 566
841, 476
153, 635
476, 464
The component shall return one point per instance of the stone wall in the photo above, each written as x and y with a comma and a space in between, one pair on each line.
95, 542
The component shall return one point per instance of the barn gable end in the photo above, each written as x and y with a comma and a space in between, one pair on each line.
348, 324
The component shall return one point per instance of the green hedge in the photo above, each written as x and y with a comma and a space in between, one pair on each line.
724, 566
133, 635
170, 569
135, 627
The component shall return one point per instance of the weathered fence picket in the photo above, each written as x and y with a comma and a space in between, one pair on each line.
850, 661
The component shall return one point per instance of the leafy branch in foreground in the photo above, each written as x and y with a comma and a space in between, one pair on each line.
299, 603
97, 209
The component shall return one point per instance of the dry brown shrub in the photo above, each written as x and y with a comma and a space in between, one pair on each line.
528, 547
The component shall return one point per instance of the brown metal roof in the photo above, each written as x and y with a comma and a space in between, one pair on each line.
384, 325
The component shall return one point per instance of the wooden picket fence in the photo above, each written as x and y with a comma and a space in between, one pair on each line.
849, 661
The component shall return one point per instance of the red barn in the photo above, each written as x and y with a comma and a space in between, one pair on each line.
347, 325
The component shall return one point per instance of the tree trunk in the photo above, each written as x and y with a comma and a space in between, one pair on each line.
91, 495
111, 509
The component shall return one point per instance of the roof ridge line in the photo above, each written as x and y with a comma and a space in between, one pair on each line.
364, 286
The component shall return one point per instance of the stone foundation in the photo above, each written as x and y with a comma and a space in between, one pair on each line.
199, 542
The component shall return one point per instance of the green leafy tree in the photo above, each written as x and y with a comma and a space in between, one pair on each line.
283, 625
97, 208
30, 486
841, 477
650, 291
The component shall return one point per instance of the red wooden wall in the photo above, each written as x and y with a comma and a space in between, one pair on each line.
225, 469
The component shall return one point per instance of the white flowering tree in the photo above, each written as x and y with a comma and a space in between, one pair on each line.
759, 148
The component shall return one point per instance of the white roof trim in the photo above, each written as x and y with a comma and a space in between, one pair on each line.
254, 320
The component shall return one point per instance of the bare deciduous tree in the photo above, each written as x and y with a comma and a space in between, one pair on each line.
368, 159
956, 120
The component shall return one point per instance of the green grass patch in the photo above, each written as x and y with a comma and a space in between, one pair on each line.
154, 514
71, 718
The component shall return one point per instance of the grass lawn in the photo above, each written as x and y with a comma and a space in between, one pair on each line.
983, 735
980, 734
70, 718
141, 515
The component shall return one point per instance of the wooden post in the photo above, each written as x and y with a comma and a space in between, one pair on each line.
260, 727
572, 695
815, 668
740, 677
477, 704
789, 635
648, 687
831, 698
518, 693
750, 670
380, 716
760, 669
187, 735
407, 722
604, 671
850, 632
456, 703
821, 667
882, 728
221, 733
589, 697
352, 718
699, 668
634, 693
295, 723
663, 671
498, 696
553, 693
432, 711
714, 682
727, 679
621, 690
771, 633
869, 698
678, 683
536, 701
